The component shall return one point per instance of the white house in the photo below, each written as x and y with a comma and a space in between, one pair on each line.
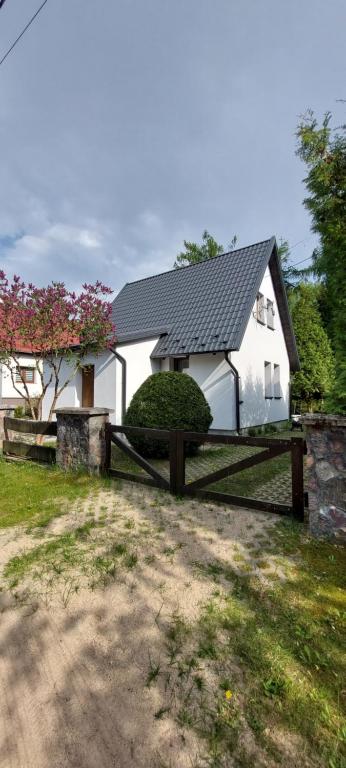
225, 322
11, 386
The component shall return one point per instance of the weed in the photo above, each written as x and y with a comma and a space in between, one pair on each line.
153, 672
275, 686
131, 560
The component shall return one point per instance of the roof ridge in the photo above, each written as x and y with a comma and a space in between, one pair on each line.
190, 266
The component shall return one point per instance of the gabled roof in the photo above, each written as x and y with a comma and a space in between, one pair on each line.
204, 307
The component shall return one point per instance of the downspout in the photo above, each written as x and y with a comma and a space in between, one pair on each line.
236, 389
122, 362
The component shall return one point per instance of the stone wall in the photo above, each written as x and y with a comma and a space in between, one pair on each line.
326, 462
81, 443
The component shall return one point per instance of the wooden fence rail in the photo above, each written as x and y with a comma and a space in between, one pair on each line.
33, 451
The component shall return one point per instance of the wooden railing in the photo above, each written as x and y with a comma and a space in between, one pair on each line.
25, 450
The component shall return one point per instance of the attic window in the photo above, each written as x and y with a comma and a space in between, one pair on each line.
260, 312
270, 314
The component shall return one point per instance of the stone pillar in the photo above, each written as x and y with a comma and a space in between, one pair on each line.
4, 411
326, 461
81, 443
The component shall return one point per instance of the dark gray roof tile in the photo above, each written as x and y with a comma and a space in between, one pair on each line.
204, 307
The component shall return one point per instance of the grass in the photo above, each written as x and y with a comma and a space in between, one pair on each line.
272, 659
34, 494
61, 553
72, 555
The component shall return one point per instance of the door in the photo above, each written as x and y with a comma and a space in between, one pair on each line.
88, 375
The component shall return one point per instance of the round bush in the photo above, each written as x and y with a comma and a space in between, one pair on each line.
167, 400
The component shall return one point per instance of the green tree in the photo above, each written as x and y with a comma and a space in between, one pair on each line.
194, 253
315, 379
324, 153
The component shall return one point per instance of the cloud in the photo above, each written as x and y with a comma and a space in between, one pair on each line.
159, 121
62, 233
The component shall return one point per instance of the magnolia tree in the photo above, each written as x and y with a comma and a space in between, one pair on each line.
53, 325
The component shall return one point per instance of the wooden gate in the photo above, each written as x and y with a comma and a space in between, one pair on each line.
177, 484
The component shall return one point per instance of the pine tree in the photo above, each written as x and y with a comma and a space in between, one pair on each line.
324, 153
195, 253
315, 379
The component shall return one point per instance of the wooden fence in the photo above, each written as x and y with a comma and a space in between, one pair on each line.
177, 483
27, 450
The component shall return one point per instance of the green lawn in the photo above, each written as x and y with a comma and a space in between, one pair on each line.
34, 494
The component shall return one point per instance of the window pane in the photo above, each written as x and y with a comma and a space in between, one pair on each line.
260, 308
29, 375
267, 380
270, 314
277, 385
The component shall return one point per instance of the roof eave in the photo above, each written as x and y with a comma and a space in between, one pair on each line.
284, 312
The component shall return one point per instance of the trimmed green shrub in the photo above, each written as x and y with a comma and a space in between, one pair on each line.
252, 431
19, 412
167, 400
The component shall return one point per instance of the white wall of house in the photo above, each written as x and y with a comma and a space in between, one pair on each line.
261, 344
108, 378
213, 375
139, 366
71, 397
7, 391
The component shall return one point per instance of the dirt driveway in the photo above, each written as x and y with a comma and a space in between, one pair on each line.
94, 612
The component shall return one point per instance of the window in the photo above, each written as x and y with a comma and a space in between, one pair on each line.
270, 314
178, 363
268, 380
277, 385
260, 314
25, 374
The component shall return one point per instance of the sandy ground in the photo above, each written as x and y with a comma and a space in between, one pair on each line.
73, 672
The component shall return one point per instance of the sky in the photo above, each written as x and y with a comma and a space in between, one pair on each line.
129, 126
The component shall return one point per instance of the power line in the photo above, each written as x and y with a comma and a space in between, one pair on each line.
22, 32
266, 277
301, 262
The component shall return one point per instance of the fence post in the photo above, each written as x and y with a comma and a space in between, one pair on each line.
81, 438
297, 458
176, 461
